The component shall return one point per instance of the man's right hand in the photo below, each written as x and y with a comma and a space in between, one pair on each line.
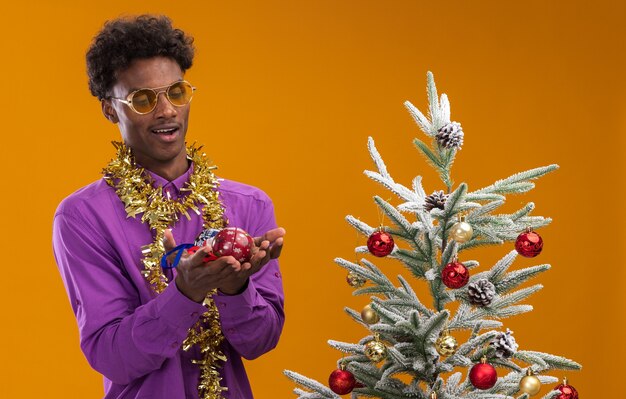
195, 278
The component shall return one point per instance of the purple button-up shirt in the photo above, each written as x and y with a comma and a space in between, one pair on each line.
132, 335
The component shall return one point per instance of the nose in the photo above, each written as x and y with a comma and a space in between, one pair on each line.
164, 108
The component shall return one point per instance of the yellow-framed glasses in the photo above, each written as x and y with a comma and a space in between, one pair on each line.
144, 101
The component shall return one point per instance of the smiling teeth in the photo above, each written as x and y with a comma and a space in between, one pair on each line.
164, 130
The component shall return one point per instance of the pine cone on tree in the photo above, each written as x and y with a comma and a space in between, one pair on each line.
504, 344
481, 292
450, 136
436, 200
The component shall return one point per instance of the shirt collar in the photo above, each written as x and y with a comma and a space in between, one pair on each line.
173, 188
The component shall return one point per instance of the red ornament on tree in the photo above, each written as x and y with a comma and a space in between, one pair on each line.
529, 244
341, 381
235, 242
483, 375
455, 275
380, 243
567, 391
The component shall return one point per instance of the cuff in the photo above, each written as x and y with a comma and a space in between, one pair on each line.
236, 306
176, 309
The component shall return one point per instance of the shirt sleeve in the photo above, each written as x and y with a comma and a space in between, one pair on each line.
252, 321
121, 338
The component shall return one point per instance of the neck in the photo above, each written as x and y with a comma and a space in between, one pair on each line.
168, 170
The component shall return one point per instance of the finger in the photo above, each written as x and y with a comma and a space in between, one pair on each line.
168, 240
271, 236
217, 273
263, 246
256, 262
212, 273
197, 259
226, 270
277, 248
224, 263
258, 257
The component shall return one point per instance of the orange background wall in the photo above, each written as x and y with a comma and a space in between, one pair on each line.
288, 93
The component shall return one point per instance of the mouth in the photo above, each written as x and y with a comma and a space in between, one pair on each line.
166, 133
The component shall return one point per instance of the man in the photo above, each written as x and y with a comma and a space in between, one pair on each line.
158, 332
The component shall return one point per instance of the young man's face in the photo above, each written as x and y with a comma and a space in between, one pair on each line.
156, 138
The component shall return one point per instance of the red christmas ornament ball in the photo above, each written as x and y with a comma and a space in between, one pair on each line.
341, 381
529, 244
455, 275
567, 391
235, 242
483, 376
380, 243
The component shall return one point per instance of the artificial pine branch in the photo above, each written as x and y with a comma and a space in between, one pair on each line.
518, 182
306, 382
407, 230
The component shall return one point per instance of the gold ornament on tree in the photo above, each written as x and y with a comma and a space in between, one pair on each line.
446, 344
375, 350
461, 231
369, 315
354, 280
530, 384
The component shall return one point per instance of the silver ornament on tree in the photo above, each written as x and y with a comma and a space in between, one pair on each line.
481, 292
504, 344
461, 231
450, 136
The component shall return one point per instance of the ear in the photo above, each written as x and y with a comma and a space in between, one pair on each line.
108, 111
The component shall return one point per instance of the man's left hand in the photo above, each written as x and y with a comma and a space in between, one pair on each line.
266, 247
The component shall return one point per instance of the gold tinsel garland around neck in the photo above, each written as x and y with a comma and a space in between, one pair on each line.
140, 197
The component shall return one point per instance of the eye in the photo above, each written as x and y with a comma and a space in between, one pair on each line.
141, 99
177, 92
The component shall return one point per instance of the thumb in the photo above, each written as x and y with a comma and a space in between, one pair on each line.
168, 240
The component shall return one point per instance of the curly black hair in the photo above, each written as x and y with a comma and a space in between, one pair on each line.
129, 38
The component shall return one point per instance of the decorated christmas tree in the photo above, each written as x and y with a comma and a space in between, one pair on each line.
410, 350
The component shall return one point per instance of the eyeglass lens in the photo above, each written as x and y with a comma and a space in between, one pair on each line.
178, 94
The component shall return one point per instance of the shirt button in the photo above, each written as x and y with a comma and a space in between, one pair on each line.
194, 314
232, 330
277, 274
174, 344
